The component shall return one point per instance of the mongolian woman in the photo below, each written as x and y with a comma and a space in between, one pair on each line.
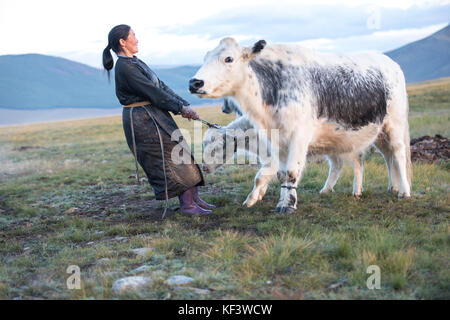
148, 125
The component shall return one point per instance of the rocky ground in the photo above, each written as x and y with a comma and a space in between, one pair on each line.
430, 149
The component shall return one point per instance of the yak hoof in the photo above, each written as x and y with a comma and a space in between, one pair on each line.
249, 202
284, 210
392, 190
404, 195
325, 191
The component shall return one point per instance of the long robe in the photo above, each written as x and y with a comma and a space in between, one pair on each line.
136, 82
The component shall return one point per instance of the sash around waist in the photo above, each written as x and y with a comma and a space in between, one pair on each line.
137, 104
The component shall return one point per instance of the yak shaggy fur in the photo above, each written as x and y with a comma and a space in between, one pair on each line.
327, 103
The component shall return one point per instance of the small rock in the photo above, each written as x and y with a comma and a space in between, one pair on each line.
71, 162
337, 284
199, 291
141, 269
71, 210
179, 280
111, 274
130, 283
90, 243
119, 239
103, 260
142, 252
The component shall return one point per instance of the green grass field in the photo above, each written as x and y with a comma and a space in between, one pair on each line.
66, 199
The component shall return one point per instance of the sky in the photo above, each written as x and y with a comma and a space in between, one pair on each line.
181, 32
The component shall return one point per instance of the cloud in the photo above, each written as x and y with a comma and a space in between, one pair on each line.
294, 22
181, 33
382, 41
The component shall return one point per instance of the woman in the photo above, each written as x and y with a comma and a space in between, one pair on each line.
148, 125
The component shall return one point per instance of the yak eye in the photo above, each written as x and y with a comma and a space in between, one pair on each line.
228, 59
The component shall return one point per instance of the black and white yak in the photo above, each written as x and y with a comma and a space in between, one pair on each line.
332, 104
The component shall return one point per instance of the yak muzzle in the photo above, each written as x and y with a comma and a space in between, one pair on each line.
195, 85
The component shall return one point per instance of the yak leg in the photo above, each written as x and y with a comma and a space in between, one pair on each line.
335, 163
382, 145
262, 180
358, 173
290, 172
268, 170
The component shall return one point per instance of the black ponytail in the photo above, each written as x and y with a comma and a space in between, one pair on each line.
118, 32
108, 61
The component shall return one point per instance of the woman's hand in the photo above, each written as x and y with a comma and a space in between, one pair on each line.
188, 113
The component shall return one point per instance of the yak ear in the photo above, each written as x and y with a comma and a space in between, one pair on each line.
253, 51
258, 46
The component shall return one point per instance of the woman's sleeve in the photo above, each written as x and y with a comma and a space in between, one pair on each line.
143, 87
170, 91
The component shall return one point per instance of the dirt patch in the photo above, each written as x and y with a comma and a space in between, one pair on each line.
430, 149
113, 207
24, 148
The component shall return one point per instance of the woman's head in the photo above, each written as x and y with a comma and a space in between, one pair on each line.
121, 40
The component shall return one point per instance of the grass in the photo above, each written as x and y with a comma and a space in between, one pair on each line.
66, 199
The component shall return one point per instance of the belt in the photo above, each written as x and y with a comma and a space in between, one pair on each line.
137, 104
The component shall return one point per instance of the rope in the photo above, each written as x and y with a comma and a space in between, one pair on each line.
136, 173
215, 126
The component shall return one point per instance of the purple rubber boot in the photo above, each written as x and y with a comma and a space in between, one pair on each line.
201, 202
188, 206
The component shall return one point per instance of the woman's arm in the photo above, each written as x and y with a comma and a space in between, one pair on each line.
143, 87
170, 91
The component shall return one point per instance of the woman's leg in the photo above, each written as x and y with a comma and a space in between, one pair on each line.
188, 205
200, 202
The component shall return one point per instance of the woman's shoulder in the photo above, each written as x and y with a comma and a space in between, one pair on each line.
126, 64
143, 65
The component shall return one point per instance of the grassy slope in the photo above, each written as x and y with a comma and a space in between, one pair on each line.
236, 252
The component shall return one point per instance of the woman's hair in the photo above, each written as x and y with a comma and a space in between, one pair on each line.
118, 32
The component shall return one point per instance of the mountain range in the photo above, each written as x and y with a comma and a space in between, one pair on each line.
425, 59
35, 81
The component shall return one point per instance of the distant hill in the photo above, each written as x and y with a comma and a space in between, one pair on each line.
35, 81
425, 59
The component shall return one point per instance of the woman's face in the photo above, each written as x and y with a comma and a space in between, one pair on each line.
130, 46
